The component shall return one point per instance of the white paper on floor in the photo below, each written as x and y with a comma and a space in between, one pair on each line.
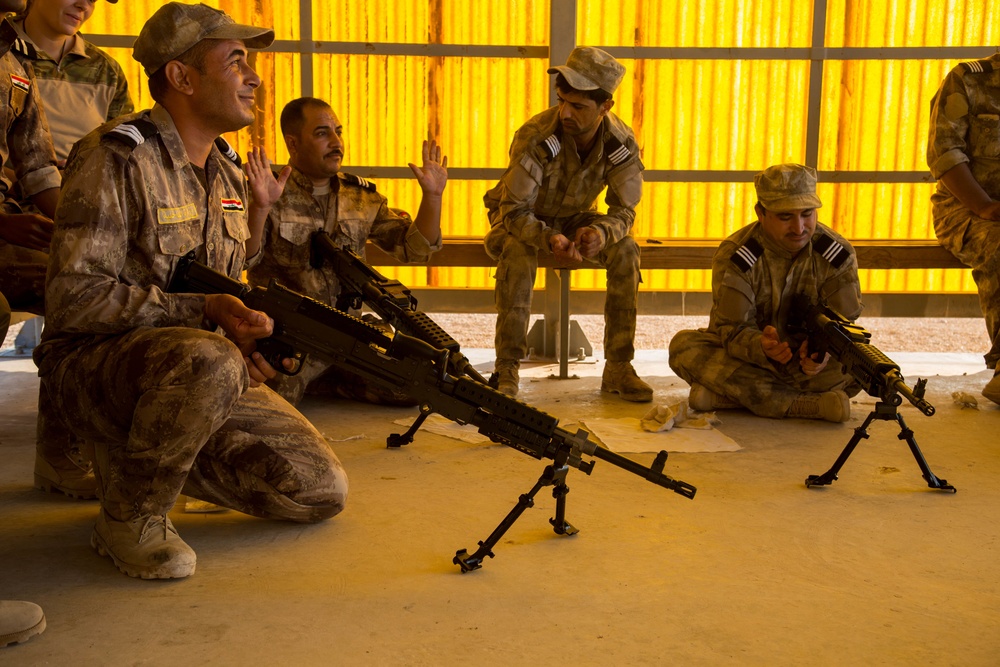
674, 428
441, 426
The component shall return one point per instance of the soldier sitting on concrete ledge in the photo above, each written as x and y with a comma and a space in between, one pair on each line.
747, 357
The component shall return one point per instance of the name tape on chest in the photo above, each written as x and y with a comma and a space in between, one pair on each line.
177, 214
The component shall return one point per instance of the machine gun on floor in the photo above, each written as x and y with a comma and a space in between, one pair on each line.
879, 376
305, 326
362, 284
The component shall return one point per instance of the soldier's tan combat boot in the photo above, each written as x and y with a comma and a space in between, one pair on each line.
704, 399
19, 621
620, 378
146, 547
67, 472
992, 389
833, 406
507, 376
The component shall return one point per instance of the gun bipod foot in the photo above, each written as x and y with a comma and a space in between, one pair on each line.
469, 563
563, 527
819, 480
939, 484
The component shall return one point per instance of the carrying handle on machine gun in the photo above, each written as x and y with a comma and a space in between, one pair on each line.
391, 299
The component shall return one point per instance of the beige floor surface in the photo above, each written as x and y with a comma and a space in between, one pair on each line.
755, 570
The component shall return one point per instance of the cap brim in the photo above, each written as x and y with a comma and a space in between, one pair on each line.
574, 78
252, 36
793, 203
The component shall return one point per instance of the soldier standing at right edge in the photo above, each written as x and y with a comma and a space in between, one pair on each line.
964, 155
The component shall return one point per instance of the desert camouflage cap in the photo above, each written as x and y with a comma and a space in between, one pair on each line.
787, 187
176, 27
588, 68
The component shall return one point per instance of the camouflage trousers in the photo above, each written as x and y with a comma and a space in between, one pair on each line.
698, 357
975, 242
22, 278
517, 264
168, 410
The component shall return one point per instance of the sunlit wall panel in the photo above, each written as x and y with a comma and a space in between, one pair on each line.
877, 23
722, 115
695, 23
875, 114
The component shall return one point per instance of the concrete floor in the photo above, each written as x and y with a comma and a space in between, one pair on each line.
757, 569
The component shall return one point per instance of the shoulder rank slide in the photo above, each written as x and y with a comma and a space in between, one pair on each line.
358, 181
747, 254
228, 151
132, 133
24, 48
978, 66
830, 250
616, 151
551, 146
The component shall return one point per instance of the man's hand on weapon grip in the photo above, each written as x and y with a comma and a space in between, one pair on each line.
775, 349
808, 362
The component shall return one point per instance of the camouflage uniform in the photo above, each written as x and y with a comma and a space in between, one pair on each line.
139, 371
753, 282
546, 190
80, 92
965, 127
354, 214
25, 144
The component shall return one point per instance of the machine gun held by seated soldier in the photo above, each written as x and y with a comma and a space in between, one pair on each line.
305, 326
879, 376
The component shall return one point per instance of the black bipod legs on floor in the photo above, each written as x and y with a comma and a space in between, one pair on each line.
883, 412
551, 476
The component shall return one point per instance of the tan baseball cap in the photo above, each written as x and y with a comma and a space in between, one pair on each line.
588, 68
176, 27
787, 187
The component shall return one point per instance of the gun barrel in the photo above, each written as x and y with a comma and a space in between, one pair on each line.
919, 403
653, 473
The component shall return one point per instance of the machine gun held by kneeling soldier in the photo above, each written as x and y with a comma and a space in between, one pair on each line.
879, 376
305, 326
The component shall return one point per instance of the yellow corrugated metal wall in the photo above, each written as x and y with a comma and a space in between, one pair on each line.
688, 114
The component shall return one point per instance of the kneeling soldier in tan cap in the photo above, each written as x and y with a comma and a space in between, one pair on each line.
744, 358
168, 403
560, 161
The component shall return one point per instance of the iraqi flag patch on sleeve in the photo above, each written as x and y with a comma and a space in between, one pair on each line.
21, 82
232, 204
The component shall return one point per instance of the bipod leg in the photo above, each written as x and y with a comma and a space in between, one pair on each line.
559, 523
396, 440
549, 477
932, 480
860, 432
